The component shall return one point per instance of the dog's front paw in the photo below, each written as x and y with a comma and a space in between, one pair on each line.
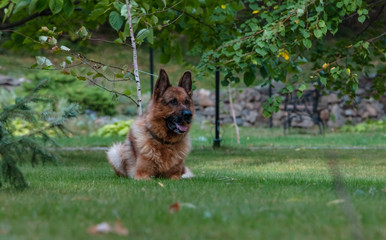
176, 177
142, 177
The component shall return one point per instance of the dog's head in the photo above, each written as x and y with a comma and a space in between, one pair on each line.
174, 104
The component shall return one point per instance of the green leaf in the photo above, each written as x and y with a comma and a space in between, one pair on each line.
68, 8
34, 65
307, 43
318, 33
249, 77
322, 24
118, 41
32, 6
264, 72
3, 3
82, 32
142, 34
303, 87
150, 38
97, 75
323, 80
339, 4
361, 19
115, 20
69, 59
56, 6
127, 92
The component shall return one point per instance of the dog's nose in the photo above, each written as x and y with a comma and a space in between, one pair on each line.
187, 115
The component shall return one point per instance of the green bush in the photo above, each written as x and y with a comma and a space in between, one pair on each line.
367, 126
76, 91
120, 128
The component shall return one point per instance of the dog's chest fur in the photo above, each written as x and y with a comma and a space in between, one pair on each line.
164, 158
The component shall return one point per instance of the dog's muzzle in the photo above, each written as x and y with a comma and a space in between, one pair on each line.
178, 124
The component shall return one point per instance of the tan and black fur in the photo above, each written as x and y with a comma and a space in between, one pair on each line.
158, 141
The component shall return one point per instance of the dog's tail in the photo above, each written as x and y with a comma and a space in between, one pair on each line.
115, 156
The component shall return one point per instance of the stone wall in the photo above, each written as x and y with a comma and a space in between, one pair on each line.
333, 110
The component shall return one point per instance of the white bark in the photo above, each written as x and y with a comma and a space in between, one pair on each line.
233, 114
135, 63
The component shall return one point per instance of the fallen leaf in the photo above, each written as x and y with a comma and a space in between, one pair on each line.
175, 207
103, 227
81, 198
160, 183
336, 201
119, 229
188, 205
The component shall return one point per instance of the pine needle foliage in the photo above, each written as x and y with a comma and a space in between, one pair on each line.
34, 146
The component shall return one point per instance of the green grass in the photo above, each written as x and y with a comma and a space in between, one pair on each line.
202, 136
237, 194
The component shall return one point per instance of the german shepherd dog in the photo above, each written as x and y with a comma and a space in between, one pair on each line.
158, 141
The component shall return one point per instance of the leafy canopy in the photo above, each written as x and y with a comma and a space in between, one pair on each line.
328, 44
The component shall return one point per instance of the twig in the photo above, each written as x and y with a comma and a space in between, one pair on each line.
164, 10
24, 20
375, 38
174, 20
111, 91
195, 18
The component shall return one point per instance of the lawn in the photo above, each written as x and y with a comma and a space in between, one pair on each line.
237, 194
202, 136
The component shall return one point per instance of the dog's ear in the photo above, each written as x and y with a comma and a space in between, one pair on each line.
162, 84
186, 82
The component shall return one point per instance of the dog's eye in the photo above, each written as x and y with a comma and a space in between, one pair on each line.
187, 102
173, 102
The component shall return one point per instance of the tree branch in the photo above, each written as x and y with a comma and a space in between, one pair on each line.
22, 21
112, 91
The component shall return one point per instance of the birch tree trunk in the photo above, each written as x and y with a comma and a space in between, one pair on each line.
233, 114
135, 63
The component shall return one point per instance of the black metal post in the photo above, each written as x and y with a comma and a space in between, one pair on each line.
217, 140
151, 71
270, 95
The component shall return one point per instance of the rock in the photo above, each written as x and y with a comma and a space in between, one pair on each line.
371, 109
239, 121
359, 91
251, 117
227, 120
209, 111
247, 95
203, 98
303, 121
349, 112
280, 115
331, 98
336, 119
325, 115
238, 109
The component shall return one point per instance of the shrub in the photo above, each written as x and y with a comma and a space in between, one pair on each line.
367, 126
120, 128
76, 91
17, 147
